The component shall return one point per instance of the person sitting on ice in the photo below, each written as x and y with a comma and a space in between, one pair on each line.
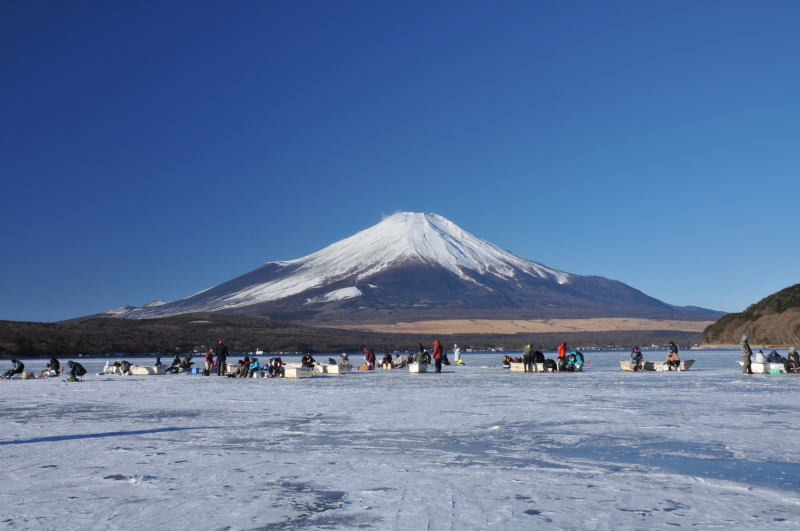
125, 367
243, 366
17, 367
774, 357
549, 365
571, 362
158, 362
109, 368
794, 359
51, 369
345, 359
176, 365
255, 367
579, 360
275, 367
308, 360
637, 361
386, 361
760, 358
426, 357
673, 361
399, 362
506, 360
75, 371
187, 362
563, 363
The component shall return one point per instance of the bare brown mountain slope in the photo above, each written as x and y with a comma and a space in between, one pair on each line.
774, 320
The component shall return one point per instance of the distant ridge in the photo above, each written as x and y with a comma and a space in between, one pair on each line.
416, 266
774, 320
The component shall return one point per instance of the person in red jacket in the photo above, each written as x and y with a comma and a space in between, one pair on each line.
562, 356
370, 358
437, 355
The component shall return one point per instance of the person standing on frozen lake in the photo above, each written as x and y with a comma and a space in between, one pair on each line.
456, 354
527, 358
437, 355
746, 355
222, 356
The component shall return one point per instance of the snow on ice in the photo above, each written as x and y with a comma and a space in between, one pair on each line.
471, 448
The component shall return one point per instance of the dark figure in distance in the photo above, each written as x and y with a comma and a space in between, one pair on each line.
746, 355
307, 361
221, 353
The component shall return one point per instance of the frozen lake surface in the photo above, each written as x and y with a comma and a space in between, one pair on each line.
471, 448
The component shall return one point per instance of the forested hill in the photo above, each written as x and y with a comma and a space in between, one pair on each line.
774, 320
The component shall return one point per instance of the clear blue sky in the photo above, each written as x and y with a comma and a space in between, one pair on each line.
153, 149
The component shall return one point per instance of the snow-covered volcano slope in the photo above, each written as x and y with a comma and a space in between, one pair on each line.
407, 260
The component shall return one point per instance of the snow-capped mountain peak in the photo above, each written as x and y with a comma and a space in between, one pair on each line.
425, 237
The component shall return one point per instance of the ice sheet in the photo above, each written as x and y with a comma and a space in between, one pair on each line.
471, 448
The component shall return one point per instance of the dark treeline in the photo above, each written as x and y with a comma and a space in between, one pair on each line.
182, 333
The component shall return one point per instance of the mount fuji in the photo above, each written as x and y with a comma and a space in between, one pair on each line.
416, 266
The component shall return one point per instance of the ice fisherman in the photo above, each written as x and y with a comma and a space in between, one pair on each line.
527, 359
209, 360
420, 353
308, 360
369, 356
637, 361
760, 358
255, 367
222, 357
579, 359
75, 370
17, 367
437, 355
794, 359
746, 355
673, 360
456, 354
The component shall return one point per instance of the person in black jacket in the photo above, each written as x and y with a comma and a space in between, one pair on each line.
17, 367
221, 353
746, 355
308, 361
55, 365
75, 370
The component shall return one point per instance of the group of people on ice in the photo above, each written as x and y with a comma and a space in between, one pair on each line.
437, 358
52, 369
791, 363
532, 359
673, 361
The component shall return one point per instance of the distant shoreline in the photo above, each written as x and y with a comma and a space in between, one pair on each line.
524, 326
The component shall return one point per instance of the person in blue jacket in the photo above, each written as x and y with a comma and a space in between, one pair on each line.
637, 361
578, 360
255, 366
